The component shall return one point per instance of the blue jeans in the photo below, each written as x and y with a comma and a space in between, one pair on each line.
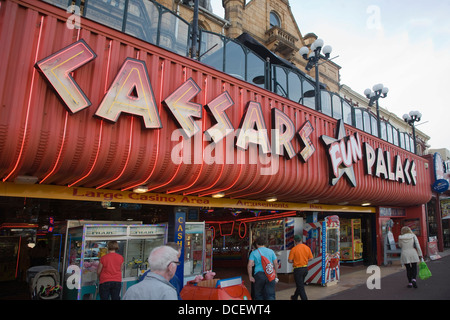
264, 290
110, 289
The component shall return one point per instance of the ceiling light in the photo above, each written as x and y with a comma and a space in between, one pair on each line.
218, 195
271, 199
366, 204
140, 189
25, 179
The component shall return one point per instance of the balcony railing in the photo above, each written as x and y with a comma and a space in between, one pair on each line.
150, 21
278, 40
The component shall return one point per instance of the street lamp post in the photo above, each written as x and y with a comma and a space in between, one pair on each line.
194, 39
411, 118
379, 91
313, 58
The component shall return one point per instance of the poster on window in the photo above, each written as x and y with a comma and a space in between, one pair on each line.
445, 209
433, 248
414, 225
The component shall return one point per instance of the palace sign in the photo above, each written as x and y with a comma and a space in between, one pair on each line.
131, 92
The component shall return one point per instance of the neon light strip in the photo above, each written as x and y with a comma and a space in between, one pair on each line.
158, 135
270, 217
128, 157
96, 157
203, 148
240, 165
210, 186
58, 158
228, 234
168, 182
269, 181
18, 256
179, 166
64, 135
22, 143
59, 80
101, 122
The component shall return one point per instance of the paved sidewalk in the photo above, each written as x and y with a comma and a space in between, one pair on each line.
350, 278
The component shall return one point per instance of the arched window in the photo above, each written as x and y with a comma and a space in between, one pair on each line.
274, 20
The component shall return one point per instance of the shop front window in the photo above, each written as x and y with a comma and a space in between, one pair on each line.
255, 70
395, 136
346, 112
366, 118
308, 95
273, 231
212, 50
389, 133
407, 142
359, 119
383, 130
235, 60
142, 20
174, 33
295, 87
373, 121
325, 100
137, 255
109, 13
193, 250
279, 81
337, 110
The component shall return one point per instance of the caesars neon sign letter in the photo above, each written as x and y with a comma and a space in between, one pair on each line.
131, 92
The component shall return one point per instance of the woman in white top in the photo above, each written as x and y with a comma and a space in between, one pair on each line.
411, 254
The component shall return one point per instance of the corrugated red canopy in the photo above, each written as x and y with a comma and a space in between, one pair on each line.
40, 137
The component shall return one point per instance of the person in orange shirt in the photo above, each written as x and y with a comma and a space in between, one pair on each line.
299, 257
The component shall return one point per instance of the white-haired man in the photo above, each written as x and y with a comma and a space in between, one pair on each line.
163, 262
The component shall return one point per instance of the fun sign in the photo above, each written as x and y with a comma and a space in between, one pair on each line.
131, 92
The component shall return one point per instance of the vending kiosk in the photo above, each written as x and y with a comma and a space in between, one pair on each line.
351, 244
280, 236
323, 239
88, 243
197, 250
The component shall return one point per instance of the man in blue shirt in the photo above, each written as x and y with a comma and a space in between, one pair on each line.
264, 289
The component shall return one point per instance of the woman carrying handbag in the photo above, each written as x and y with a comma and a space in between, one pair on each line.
411, 254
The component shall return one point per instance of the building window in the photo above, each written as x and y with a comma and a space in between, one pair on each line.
274, 20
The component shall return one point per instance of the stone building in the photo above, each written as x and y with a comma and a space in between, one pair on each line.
272, 24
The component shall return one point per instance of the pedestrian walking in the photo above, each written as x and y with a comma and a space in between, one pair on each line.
264, 289
110, 273
411, 254
299, 257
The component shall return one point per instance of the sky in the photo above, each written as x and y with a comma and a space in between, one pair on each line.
405, 45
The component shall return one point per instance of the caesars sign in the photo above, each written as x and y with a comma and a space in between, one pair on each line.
131, 92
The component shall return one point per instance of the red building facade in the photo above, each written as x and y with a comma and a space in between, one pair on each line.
96, 108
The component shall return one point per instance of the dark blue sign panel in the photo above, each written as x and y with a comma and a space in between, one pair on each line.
440, 186
179, 232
